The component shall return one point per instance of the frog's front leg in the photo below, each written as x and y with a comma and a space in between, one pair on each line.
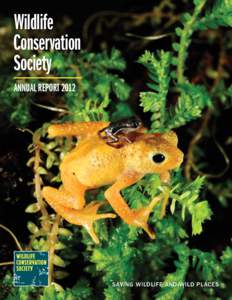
165, 177
137, 217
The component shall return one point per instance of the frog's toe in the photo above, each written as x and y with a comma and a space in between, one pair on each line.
141, 217
139, 222
89, 216
88, 225
92, 208
148, 230
91, 232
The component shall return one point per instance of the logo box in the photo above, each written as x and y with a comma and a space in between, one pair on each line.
30, 268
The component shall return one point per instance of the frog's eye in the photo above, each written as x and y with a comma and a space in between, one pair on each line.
158, 158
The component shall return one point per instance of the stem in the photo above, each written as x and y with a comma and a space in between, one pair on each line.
190, 157
6, 263
37, 180
134, 19
13, 236
194, 141
185, 41
52, 239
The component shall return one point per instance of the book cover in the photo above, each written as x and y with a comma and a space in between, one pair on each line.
115, 151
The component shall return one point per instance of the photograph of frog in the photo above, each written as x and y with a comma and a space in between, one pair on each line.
123, 177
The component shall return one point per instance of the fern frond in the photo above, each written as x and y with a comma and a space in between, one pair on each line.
206, 264
116, 260
173, 284
219, 15
187, 195
192, 100
155, 100
226, 257
185, 34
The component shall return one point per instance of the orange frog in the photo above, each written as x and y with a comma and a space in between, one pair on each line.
93, 164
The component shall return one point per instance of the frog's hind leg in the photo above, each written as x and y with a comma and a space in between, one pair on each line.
62, 202
71, 184
81, 129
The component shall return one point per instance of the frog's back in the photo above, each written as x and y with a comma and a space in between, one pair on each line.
97, 163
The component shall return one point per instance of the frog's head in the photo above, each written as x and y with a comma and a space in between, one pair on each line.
164, 154
156, 153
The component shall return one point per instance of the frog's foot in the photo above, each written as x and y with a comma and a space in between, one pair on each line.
86, 217
63, 204
141, 217
89, 216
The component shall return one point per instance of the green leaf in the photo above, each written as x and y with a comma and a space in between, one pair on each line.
58, 261
32, 227
32, 208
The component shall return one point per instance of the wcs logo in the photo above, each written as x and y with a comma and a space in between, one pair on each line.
30, 268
